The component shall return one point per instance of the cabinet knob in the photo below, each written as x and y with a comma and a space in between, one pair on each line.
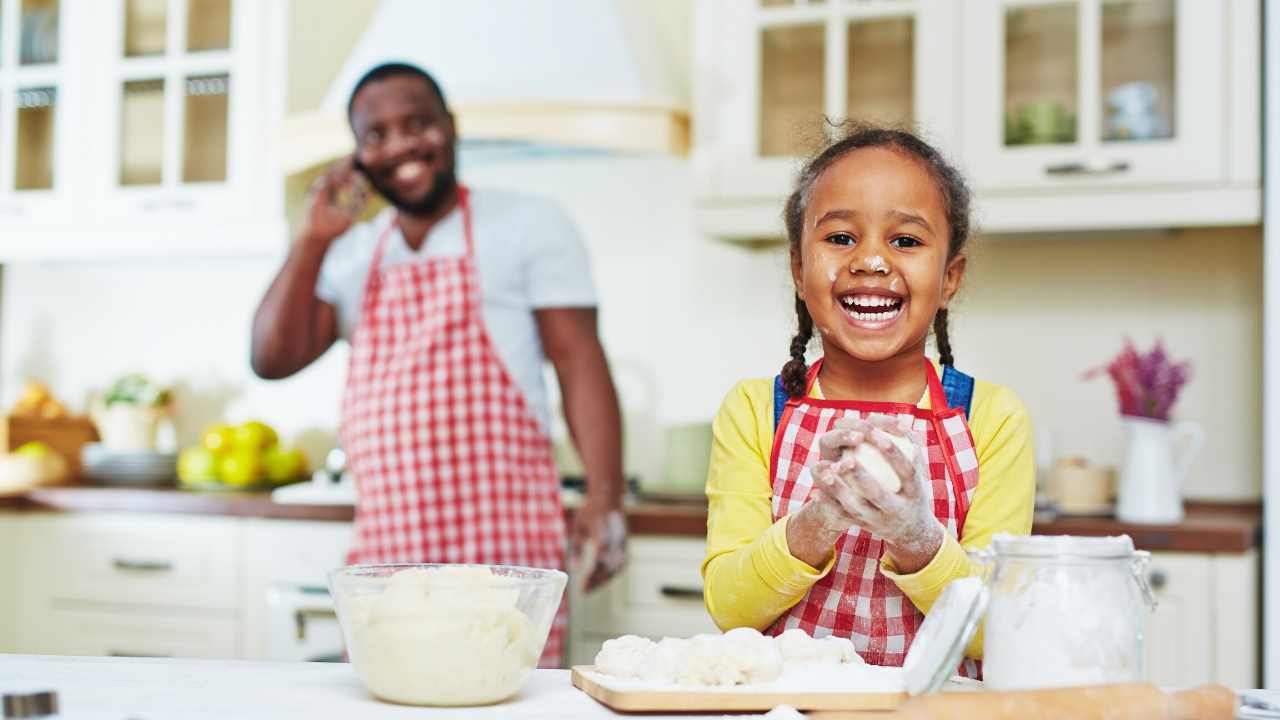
1158, 578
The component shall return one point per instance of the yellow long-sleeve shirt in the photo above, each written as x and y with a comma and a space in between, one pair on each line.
750, 575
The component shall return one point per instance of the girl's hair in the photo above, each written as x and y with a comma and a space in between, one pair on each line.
955, 199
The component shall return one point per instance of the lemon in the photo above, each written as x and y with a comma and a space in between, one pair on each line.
241, 467
35, 449
283, 466
218, 438
255, 435
198, 464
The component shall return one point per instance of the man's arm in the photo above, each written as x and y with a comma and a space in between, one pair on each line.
591, 409
292, 326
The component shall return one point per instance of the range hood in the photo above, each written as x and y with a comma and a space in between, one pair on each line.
523, 77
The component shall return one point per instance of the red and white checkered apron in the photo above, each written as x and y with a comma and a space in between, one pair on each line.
855, 600
451, 465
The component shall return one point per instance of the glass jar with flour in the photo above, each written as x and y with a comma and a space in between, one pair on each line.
1064, 611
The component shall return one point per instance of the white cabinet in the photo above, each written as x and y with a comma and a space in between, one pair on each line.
769, 74
659, 594
145, 134
1063, 114
38, 103
1083, 114
137, 634
9, 553
286, 607
128, 584
1205, 628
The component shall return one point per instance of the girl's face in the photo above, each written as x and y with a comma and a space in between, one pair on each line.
872, 266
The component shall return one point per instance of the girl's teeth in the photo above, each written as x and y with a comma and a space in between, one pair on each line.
875, 316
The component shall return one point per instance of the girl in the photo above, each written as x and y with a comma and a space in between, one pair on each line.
800, 534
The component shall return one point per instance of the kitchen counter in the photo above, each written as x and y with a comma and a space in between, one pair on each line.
114, 688
649, 518
1208, 527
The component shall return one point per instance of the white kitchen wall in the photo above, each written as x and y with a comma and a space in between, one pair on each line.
683, 317
1036, 313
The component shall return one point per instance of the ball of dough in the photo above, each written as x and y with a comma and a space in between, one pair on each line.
758, 657
624, 656
873, 461
707, 662
796, 647
837, 650
666, 661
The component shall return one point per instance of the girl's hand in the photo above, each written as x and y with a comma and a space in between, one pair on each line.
813, 530
905, 519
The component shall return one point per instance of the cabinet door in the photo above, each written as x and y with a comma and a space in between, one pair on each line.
131, 559
1179, 650
774, 75
659, 594
1064, 93
9, 551
37, 169
292, 555
125, 634
182, 98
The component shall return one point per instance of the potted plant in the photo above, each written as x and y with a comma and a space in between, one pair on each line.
1158, 452
128, 414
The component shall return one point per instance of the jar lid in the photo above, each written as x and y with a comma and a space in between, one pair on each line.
948, 627
1116, 547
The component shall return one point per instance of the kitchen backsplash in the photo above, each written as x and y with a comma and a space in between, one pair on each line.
683, 317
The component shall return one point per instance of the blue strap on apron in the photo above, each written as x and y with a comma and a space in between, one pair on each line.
957, 386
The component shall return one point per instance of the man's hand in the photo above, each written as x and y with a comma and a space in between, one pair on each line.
598, 542
335, 200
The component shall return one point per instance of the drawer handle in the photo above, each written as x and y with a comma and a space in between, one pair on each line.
1084, 168
142, 565
681, 592
129, 654
163, 204
1158, 579
302, 615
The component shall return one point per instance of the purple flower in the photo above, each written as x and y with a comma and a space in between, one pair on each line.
1146, 385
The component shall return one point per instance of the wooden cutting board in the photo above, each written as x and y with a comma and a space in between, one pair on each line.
838, 705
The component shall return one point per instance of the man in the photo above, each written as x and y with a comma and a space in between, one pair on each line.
449, 299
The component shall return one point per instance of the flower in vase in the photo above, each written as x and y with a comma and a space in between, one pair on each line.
1148, 384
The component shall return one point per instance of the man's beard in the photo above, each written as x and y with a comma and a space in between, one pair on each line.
443, 187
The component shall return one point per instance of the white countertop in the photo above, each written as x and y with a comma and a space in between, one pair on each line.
152, 689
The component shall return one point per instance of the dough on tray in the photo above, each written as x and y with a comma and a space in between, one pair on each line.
737, 657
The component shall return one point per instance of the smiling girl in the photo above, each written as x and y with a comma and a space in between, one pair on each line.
800, 534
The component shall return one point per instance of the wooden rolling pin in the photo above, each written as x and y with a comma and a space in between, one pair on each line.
1139, 701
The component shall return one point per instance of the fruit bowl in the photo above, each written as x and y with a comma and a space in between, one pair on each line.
448, 635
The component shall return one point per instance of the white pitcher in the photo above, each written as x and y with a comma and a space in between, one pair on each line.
1156, 462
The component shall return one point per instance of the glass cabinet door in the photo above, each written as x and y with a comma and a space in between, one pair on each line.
1041, 79
821, 64
173, 93
1138, 78
880, 70
31, 81
791, 88
1109, 91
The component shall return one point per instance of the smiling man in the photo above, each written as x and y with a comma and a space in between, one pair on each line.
451, 300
